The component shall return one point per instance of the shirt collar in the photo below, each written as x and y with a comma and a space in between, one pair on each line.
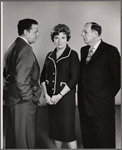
24, 39
96, 46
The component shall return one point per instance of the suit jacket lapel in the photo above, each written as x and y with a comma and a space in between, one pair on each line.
97, 53
84, 55
36, 62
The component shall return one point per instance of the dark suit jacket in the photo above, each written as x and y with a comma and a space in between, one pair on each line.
99, 81
21, 74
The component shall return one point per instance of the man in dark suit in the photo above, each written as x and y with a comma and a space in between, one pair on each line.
98, 85
21, 88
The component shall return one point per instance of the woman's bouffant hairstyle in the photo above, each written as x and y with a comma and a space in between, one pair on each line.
60, 28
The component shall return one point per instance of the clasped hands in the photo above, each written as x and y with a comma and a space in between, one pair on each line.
53, 100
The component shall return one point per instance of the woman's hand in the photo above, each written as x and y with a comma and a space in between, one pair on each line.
55, 98
48, 99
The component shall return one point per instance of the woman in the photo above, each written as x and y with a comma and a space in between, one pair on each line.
58, 79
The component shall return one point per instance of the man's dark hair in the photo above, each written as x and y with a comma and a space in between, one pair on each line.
25, 24
96, 27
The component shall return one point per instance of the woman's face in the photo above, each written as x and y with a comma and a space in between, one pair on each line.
60, 40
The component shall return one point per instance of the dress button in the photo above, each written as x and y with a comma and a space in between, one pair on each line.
53, 81
53, 73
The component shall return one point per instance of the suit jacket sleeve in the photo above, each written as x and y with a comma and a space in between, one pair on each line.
24, 66
114, 63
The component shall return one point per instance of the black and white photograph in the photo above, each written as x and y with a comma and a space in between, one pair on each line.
61, 74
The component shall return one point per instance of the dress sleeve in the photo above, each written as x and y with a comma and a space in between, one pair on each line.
74, 70
43, 73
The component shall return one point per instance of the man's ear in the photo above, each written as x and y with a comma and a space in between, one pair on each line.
95, 33
25, 32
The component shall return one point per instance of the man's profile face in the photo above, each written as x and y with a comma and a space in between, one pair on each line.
88, 34
33, 34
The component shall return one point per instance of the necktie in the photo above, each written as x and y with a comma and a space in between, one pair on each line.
90, 53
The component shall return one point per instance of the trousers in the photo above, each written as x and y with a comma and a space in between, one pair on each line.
21, 125
98, 132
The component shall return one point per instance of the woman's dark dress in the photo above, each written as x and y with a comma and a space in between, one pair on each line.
57, 73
